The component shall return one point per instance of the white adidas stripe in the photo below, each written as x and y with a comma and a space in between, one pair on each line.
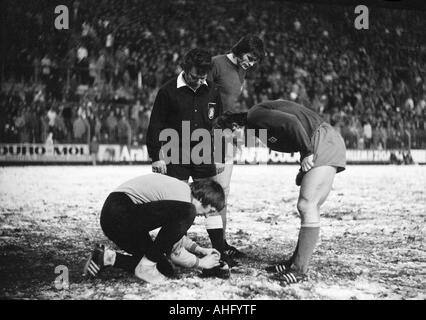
94, 265
92, 270
280, 268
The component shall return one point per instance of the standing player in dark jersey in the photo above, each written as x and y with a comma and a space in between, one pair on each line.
153, 201
228, 73
294, 128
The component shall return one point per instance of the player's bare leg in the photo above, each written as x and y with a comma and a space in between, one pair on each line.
315, 187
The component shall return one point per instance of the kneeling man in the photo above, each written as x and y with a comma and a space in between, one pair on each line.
153, 201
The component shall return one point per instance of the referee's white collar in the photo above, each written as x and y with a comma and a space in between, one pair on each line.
182, 83
232, 57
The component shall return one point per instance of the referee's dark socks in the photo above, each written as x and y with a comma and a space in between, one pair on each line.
308, 238
214, 226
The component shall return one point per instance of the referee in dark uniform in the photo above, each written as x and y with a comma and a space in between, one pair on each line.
185, 103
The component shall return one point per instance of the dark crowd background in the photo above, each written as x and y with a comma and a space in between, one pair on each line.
100, 77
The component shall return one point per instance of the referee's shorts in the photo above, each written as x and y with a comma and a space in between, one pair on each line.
196, 171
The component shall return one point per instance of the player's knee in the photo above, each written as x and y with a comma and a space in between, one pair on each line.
306, 207
309, 212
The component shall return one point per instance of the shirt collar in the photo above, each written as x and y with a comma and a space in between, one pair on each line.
232, 58
182, 83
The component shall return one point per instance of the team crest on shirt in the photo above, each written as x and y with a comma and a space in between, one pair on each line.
272, 139
210, 113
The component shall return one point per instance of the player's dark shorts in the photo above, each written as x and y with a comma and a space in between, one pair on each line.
329, 147
184, 171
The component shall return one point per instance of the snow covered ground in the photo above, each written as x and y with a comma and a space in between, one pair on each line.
372, 238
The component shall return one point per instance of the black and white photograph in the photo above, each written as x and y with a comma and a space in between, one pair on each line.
220, 150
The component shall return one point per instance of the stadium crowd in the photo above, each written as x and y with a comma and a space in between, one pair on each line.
100, 77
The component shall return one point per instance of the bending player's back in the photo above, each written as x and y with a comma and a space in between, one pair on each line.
308, 118
155, 187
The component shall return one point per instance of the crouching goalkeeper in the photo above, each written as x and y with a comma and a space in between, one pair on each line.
153, 201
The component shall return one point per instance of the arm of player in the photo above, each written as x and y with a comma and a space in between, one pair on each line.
182, 257
214, 73
193, 247
157, 123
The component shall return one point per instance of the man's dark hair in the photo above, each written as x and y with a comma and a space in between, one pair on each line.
228, 120
250, 44
198, 58
208, 192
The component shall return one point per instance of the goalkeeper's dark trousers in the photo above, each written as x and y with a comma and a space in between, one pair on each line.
128, 225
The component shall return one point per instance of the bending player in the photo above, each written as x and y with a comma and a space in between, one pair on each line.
153, 201
294, 128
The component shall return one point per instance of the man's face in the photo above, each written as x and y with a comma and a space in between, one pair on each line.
195, 77
247, 60
201, 210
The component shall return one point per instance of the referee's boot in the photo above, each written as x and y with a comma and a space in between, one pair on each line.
232, 252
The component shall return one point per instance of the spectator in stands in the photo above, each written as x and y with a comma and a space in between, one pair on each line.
94, 149
367, 134
46, 64
20, 125
111, 124
124, 131
80, 129
60, 130
306, 53
51, 115
82, 64
377, 142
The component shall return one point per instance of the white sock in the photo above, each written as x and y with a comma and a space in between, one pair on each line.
147, 271
109, 257
213, 222
147, 263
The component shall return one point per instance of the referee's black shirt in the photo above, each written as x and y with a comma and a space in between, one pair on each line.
174, 105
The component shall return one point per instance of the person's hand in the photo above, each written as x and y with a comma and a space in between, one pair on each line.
207, 251
307, 163
159, 166
209, 261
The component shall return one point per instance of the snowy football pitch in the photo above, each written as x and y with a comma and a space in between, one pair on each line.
372, 237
